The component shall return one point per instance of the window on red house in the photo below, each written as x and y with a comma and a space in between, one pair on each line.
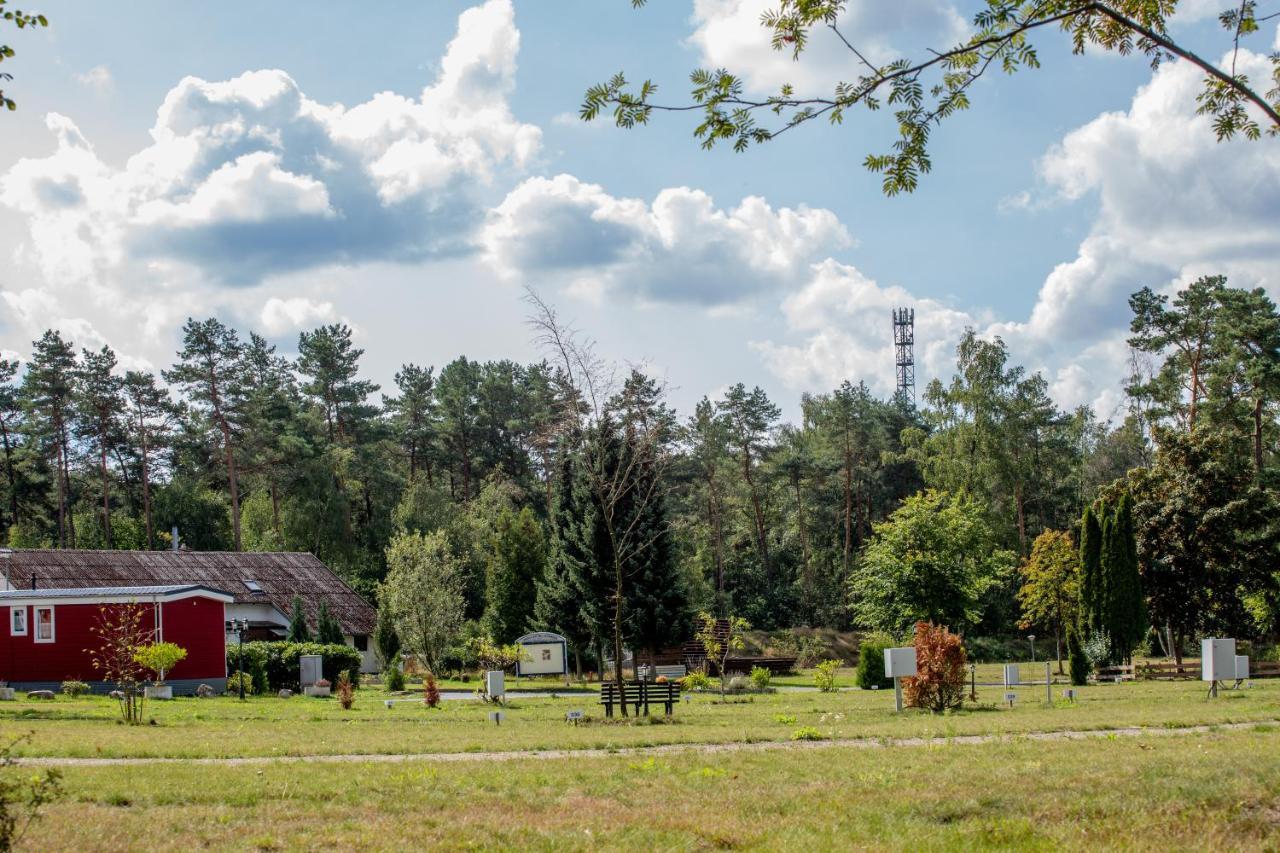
44, 624
18, 621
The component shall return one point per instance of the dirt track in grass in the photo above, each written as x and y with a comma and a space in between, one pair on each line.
666, 749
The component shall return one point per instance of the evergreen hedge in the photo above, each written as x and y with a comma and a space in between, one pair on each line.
871, 664
274, 665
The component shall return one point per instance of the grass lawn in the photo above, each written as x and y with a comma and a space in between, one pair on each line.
1217, 791
267, 726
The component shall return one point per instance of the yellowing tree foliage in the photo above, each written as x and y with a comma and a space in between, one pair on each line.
1050, 594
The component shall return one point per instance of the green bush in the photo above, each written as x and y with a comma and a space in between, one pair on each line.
73, 688
1080, 667
807, 733
696, 680
760, 678
278, 662
870, 673
824, 675
393, 677
233, 683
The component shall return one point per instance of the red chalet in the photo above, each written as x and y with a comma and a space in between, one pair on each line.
49, 637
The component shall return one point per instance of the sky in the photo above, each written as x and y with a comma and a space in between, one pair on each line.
411, 167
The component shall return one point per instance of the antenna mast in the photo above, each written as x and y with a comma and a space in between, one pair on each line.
904, 340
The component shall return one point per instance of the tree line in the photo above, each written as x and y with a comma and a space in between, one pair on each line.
567, 493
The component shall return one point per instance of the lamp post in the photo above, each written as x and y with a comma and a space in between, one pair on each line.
1032, 638
239, 626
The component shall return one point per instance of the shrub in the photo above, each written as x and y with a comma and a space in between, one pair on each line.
430, 691
760, 678
696, 680
159, 658
940, 670
807, 733
346, 692
870, 672
738, 683
1079, 661
233, 683
393, 678
73, 688
23, 793
824, 675
279, 662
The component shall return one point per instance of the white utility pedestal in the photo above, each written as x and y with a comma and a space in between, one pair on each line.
899, 664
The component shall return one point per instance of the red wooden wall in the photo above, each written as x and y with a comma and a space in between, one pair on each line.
196, 624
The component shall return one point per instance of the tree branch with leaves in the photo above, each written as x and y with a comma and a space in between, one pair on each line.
925, 91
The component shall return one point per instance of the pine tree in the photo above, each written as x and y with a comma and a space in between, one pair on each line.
209, 370
1091, 621
328, 631
47, 399
517, 558
298, 631
98, 401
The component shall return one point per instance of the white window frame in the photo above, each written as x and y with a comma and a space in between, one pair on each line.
53, 633
14, 611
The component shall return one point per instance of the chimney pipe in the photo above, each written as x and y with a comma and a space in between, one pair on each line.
33, 580
174, 537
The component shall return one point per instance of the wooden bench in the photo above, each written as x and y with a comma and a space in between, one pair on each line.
639, 694
669, 672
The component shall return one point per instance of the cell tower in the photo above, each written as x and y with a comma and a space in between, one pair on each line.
904, 340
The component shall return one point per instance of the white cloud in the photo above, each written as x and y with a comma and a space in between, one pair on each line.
681, 248
728, 34
295, 314
1174, 204
392, 177
97, 78
247, 180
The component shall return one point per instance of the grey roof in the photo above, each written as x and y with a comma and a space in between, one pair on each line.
281, 576
541, 637
103, 591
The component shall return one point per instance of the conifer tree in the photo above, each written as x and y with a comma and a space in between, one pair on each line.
298, 631
328, 631
47, 399
559, 606
1078, 659
657, 598
1091, 621
98, 402
1126, 617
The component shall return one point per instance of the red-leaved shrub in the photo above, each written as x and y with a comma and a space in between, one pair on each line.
940, 670
430, 691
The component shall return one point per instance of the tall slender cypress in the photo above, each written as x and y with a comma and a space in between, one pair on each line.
1126, 608
1091, 621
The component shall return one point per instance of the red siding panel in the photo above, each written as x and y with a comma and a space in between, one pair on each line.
199, 626
196, 624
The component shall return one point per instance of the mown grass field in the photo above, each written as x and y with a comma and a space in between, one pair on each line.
268, 726
1216, 791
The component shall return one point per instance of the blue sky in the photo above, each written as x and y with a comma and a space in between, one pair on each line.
281, 165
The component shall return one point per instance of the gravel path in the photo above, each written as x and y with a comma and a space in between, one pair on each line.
666, 749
